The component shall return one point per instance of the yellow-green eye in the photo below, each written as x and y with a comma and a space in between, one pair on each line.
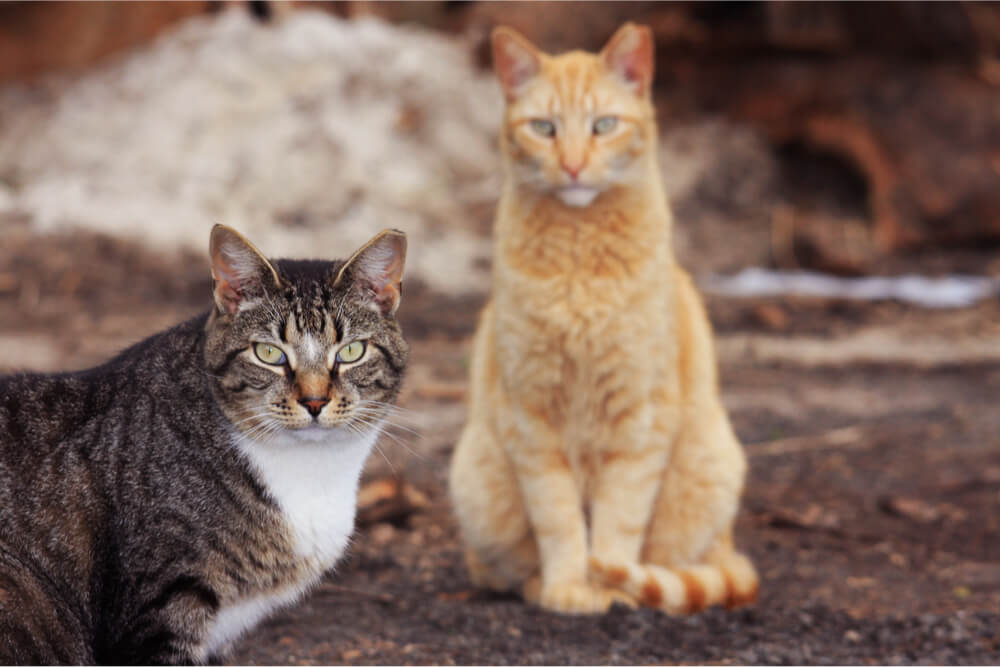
351, 352
546, 128
605, 124
269, 354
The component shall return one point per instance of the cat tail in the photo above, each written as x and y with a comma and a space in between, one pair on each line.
730, 581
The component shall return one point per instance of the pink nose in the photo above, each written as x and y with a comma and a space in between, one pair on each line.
572, 169
314, 405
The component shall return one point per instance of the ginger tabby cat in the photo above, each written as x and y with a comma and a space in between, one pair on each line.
598, 463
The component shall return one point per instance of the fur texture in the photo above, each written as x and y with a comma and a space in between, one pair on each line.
154, 508
597, 463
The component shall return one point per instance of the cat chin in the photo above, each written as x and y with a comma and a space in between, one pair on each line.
326, 435
577, 196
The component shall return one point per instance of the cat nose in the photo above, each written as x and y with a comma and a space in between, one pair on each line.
313, 404
572, 169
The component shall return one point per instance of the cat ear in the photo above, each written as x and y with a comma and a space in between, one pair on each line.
241, 273
377, 268
515, 60
629, 55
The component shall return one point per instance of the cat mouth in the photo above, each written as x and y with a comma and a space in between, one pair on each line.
578, 195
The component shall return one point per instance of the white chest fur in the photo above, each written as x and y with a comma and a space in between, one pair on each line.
314, 478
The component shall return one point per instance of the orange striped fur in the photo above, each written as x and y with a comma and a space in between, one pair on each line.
597, 462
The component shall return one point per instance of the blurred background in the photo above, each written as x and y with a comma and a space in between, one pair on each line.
835, 175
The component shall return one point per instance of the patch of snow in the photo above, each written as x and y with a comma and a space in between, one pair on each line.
955, 291
309, 136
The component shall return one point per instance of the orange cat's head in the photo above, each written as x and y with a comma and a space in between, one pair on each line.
580, 123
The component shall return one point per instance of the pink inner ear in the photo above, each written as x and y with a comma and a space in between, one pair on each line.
386, 287
630, 55
377, 270
515, 63
386, 296
230, 285
229, 295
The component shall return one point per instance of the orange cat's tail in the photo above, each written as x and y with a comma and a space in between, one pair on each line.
732, 582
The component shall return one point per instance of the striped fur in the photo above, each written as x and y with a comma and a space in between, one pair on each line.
597, 463
155, 507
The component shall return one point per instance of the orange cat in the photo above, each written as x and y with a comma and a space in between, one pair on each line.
598, 463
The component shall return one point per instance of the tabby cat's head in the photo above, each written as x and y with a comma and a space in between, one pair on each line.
303, 347
580, 123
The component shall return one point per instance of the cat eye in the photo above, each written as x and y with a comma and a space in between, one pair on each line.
351, 352
269, 354
546, 128
605, 124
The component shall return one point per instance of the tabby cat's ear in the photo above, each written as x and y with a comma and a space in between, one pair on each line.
241, 273
515, 60
629, 55
377, 269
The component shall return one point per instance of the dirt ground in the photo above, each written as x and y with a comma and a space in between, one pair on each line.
870, 510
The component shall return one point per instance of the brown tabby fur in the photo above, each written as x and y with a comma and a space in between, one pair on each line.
598, 463
156, 507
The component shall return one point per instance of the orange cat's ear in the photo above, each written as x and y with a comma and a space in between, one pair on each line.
515, 60
629, 54
241, 273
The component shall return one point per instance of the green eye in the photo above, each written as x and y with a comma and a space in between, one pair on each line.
546, 128
351, 352
605, 124
269, 354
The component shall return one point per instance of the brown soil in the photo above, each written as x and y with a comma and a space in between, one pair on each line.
870, 510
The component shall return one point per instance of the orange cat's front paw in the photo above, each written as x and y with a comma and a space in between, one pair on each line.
567, 598
610, 573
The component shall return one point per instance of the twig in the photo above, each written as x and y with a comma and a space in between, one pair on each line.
849, 437
380, 597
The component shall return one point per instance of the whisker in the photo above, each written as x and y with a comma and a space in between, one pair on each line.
394, 438
379, 450
354, 428
388, 422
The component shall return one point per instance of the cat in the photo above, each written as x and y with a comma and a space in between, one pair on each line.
154, 508
597, 463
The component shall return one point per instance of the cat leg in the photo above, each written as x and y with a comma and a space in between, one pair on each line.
500, 549
501, 553
555, 513
627, 480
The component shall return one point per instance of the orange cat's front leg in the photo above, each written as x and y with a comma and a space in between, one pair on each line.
553, 503
631, 453
625, 490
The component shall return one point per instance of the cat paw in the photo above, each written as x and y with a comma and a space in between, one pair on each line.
575, 598
610, 573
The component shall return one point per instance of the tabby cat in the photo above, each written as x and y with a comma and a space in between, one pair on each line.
154, 508
597, 463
